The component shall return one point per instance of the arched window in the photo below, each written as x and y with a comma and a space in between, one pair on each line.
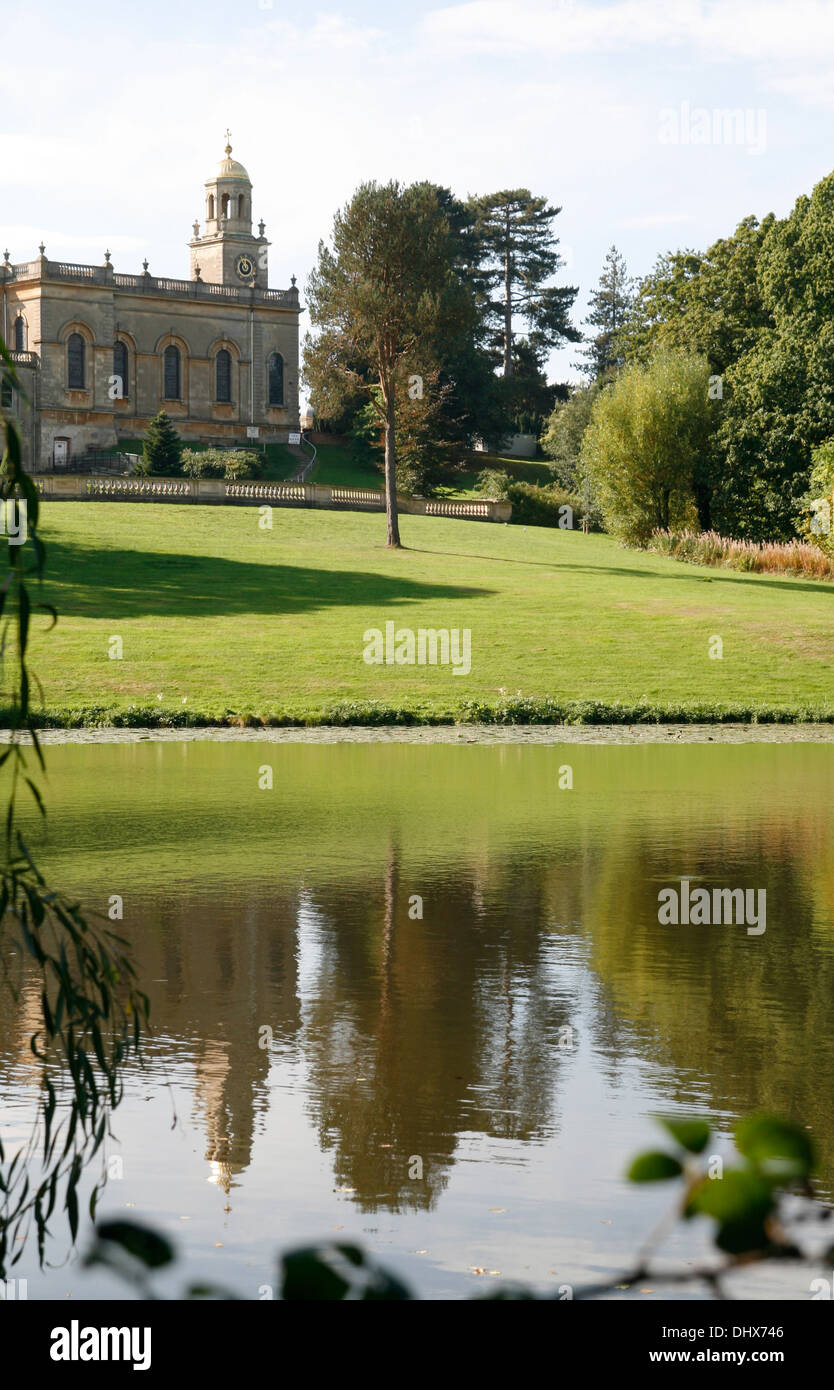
223, 376
20, 334
275, 376
241, 205
211, 206
171, 388
120, 369
75, 362
224, 203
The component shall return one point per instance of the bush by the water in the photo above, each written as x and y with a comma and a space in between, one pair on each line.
758, 557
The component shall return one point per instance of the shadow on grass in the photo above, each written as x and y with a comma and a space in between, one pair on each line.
84, 581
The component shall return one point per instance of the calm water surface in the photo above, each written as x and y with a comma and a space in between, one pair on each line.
316, 1043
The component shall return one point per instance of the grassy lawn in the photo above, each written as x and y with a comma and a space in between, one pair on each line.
464, 483
335, 466
220, 620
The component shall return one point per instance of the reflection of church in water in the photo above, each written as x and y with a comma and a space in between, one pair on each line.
397, 1027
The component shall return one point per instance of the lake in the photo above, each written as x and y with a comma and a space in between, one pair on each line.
419, 995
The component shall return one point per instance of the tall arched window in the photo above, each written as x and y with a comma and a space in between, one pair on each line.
171, 387
211, 206
223, 376
224, 204
20, 334
120, 369
75, 362
275, 377
241, 205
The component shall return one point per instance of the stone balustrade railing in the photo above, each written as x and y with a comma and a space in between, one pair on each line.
214, 491
44, 269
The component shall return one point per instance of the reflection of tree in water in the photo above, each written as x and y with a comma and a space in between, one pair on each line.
420, 1030
745, 1018
417, 1032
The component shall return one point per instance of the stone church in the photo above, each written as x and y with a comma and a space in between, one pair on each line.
99, 353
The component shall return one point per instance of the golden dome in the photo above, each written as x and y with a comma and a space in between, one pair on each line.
229, 168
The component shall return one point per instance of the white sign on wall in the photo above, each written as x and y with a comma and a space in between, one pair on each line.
294, 438
252, 431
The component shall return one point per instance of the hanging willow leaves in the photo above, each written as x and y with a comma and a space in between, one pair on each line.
92, 1012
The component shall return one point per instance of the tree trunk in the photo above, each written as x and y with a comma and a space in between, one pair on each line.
702, 503
391, 471
508, 314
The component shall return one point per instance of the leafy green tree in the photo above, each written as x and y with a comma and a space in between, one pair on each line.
384, 298
162, 450
708, 302
469, 403
659, 317
610, 304
780, 391
645, 443
562, 438
517, 255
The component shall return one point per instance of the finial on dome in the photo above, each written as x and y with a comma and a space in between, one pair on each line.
228, 141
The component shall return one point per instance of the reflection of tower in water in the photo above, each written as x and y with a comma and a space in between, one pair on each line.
228, 966
228, 1148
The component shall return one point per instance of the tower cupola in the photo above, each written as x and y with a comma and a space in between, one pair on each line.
227, 252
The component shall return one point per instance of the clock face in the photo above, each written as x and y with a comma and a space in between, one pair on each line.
244, 267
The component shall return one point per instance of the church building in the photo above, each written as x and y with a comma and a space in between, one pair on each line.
99, 353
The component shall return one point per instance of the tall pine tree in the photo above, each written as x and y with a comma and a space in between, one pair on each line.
610, 305
383, 299
517, 254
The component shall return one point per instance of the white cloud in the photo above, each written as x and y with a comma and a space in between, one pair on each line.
718, 29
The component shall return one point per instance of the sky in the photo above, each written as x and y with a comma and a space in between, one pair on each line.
112, 117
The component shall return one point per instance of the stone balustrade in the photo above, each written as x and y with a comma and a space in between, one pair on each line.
214, 491
44, 269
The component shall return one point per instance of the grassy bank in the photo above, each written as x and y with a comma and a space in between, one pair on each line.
339, 466
220, 621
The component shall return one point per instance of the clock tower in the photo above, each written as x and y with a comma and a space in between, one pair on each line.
227, 253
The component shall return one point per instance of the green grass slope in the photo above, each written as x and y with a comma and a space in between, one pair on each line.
222, 620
